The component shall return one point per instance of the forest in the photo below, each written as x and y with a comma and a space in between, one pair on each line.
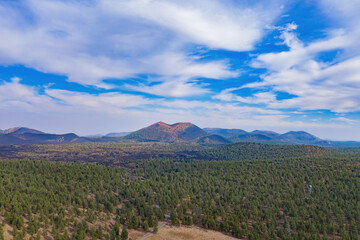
246, 190
253, 199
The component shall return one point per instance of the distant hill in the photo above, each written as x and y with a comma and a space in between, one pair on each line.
244, 151
270, 137
21, 130
39, 138
270, 134
299, 137
225, 132
258, 137
213, 139
239, 135
24, 135
118, 134
178, 132
161, 131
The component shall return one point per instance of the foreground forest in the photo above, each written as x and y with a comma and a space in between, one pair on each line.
253, 199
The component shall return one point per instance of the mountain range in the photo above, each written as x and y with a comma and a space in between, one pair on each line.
270, 137
23, 135
178, 132
292, 137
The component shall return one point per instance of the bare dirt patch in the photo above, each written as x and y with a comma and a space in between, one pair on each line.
181, 233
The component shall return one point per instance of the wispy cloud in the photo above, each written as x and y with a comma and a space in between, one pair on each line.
347, 120
93, 41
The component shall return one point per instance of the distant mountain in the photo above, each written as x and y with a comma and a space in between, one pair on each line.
255, 137
213, 139
178, 132
239, 135
225, 132
161, 131
24, 135
21, 130
270, 137
299, 137
39, 138
247, 151
118, 134
270, 134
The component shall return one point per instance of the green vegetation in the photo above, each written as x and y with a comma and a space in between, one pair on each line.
51, 196
250, 199
245, 151
262, 198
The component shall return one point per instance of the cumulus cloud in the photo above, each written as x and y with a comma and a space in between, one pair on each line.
317, 84
300, 71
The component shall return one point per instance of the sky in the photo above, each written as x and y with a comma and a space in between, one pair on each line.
100, 66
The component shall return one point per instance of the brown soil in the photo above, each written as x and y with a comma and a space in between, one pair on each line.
182, 233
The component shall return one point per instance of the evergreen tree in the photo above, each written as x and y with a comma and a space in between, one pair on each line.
124, 234
1, 233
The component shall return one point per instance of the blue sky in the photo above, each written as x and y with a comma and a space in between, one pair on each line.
98, 66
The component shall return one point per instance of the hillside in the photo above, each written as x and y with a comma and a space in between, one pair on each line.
299, 137
244, 151
38, 138
20, 130
225, 132
270, 137
163, 132
213, 139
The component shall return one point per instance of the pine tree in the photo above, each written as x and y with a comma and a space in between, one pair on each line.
146, 226
173, 218
1, 233
124, 234
156, 229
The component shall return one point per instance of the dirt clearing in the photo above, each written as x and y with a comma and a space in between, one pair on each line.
181, 233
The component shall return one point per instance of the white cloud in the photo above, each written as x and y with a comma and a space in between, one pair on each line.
67, 111
347, 120
316, 84
172, 89
210, 23
261, 97
14, 95
93, 41
26, 98
98, 102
